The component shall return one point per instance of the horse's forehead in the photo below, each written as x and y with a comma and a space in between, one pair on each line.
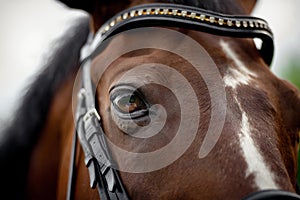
209, 44
133, 59
226, 53
247, 80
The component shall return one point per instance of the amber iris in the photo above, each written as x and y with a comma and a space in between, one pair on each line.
130, 103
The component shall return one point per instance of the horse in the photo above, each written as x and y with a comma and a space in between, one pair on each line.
168, 99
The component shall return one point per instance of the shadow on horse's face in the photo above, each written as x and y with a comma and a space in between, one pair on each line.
160, 106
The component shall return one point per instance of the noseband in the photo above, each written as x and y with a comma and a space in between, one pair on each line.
101, 166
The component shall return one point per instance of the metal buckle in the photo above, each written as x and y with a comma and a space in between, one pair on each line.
92, 112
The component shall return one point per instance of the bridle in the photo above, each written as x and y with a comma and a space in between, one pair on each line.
101, 166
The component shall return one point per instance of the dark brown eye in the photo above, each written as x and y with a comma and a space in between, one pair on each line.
128, 102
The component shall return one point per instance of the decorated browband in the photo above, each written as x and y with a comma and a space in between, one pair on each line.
174, 15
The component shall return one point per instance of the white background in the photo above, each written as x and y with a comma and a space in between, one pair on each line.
28, 29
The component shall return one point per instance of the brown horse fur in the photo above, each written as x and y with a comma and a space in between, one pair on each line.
274, 107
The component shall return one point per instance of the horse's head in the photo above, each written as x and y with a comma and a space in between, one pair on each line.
189, 114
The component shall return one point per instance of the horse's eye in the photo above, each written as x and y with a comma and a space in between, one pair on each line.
128, 102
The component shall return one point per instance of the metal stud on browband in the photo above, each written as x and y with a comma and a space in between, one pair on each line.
221, 21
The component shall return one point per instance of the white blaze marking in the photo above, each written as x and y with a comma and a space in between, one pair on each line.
235, 77
256, 166
263, 176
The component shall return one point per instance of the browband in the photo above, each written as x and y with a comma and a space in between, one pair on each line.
175, 15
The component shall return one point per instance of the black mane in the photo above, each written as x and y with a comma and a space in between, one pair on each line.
22, 133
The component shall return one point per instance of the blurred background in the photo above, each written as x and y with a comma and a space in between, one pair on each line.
29, 29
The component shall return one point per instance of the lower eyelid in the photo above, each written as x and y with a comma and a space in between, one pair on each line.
126, 116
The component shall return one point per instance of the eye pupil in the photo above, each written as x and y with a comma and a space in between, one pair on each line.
132, 99
130, 103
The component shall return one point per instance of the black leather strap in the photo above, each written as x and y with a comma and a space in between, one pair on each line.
272, 195
93, 142
297, 187
71, 179
174, 15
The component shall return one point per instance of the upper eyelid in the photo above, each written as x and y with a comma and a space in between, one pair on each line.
125, 86
119, 89
131, 89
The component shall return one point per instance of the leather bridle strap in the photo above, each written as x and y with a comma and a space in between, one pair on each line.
272, 195
71, 179
102, 170
175, 15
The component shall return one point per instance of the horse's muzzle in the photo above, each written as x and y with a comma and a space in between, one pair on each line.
272, 195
